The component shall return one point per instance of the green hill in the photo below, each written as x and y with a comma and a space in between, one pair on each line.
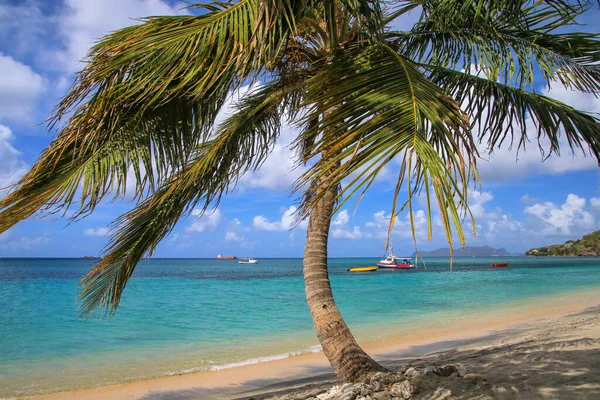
588, 246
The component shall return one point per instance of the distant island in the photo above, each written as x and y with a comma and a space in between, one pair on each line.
89, 258
588, 246
474, 251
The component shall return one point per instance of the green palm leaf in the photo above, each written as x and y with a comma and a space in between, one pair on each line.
509, 47
500, 112
240, 144
147, 97
382, 107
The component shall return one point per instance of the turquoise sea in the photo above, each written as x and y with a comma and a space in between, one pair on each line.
185, 315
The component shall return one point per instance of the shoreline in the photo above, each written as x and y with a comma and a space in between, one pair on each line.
312, 367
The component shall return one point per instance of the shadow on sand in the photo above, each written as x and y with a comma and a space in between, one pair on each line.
545, 360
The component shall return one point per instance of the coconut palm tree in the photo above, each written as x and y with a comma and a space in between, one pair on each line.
461, 81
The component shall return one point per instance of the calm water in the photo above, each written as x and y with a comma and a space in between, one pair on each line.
184, 315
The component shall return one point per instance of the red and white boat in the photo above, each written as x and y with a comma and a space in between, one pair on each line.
392, 261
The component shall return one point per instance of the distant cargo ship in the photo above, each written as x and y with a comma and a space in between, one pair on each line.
222, 257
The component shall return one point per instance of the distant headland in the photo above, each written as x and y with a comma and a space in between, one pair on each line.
469, 251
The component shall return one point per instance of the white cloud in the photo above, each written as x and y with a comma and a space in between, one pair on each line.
342, 218
340, 229
100, 231
286, 223
477, 200
83, 22
595, 202
231, 236
379, 224
22, 243
20, 88
11, 166
569, 218
345, 233
206, 222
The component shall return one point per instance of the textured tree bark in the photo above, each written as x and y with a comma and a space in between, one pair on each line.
350, 363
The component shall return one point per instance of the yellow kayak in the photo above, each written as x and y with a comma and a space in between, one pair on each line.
363, 269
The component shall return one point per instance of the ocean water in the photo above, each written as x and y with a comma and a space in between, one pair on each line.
185, 315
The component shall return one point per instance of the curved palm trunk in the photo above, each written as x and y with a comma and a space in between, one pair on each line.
350, 363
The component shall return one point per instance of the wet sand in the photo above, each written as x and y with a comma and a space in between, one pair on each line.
520, 337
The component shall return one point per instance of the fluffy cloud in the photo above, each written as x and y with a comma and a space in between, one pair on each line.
206, 222
342, 218
340, 229
477, 200
286, 223
233, 237
11, 166
379, 224
23, 243
100, 231
569, 218
346, 233
20, 88
83, 22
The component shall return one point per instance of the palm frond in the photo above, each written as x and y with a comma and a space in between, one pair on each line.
507, 42
89, 160
148, 95
384, 108
240, 144
500, 112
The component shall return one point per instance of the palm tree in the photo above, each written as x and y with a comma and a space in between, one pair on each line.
460, 80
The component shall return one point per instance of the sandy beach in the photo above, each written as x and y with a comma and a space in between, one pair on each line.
545, 349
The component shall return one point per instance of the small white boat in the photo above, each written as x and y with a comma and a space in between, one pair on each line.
247, 260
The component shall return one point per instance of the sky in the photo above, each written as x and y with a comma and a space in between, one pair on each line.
522, 202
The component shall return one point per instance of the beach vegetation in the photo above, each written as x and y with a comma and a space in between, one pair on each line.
588, 246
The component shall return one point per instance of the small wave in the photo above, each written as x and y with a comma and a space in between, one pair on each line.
256, 360
250, 361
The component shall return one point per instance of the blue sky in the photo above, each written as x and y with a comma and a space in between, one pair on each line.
520, 204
